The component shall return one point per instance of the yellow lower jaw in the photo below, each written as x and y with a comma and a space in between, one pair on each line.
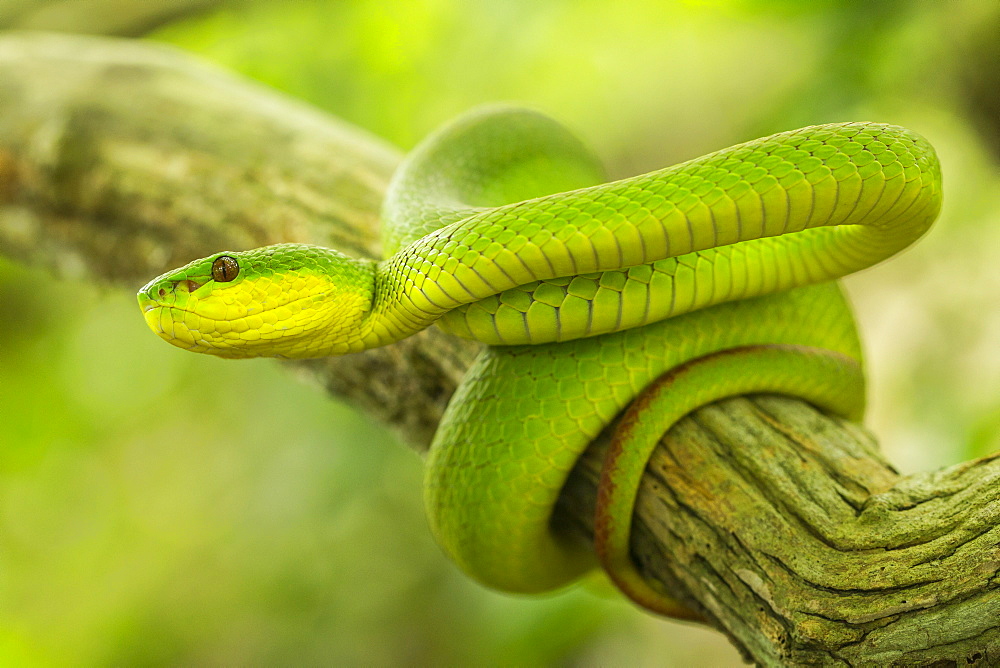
160, 319
309, 326
152, 317
244, 337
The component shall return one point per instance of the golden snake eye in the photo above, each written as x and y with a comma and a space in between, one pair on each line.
225, 268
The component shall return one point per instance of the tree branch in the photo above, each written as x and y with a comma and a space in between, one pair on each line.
101, 17
783, 526
790, 531
114, 149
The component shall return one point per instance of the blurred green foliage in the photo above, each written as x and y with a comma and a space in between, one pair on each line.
163, 508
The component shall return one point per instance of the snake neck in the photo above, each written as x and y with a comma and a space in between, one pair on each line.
464, 171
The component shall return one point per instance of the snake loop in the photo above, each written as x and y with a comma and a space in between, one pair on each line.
717, 275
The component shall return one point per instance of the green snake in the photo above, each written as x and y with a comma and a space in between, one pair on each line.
715, 276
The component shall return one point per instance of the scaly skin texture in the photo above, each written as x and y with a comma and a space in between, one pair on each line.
524, 414
285, 297
829, 377
588, 295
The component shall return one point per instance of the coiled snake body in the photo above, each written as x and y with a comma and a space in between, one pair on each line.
715, 276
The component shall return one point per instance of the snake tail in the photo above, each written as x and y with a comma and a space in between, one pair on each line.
827, 379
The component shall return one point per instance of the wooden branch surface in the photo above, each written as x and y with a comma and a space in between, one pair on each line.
783, 526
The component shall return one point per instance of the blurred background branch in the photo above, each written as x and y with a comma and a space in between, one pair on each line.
102, 17
120, 159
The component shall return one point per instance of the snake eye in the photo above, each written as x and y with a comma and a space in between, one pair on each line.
225, 268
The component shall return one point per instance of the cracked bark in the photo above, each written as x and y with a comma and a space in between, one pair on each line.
783, 526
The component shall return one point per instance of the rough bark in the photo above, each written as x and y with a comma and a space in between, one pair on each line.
783, 526
792, 533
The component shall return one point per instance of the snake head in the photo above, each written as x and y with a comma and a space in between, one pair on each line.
288, 300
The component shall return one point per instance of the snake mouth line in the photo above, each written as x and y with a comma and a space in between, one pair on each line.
174, 307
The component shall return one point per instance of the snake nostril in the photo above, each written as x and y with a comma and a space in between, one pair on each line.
162, 292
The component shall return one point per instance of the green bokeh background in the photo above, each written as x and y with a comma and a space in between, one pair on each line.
159, 508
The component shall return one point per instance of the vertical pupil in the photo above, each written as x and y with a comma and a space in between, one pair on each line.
225, 269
